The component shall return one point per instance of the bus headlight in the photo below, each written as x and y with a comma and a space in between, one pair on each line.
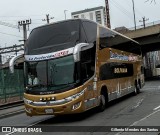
26, 101
70, 98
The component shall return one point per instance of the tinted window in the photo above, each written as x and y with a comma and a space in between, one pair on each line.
87, 64
53, 37
115, 70
90, 29
111, 39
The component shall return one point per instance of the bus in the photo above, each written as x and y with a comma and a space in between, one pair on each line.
75, 65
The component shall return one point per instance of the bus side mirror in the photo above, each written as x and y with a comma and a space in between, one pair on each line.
12, 62
80, 47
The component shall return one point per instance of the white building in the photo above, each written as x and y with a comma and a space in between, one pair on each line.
97, 14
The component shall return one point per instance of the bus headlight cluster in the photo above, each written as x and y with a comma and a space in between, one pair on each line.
70, 98
57, 102
26, 101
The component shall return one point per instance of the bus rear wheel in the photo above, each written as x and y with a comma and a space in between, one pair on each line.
137, 88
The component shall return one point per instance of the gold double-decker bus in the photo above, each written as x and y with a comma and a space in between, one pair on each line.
75, 65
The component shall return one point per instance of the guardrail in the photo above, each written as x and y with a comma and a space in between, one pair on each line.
146, 25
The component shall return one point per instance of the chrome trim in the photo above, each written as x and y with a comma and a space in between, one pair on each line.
12, 62
57, 102
80, 47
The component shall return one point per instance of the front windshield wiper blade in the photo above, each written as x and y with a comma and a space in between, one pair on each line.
63, 84
37, 85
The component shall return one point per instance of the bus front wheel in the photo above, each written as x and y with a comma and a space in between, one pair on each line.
102, 104
103, 99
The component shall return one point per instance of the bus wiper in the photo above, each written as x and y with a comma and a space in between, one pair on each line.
62, 84
36, 85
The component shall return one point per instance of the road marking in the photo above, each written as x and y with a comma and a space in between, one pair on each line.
156, 108
136, 122
144, 118
138, 104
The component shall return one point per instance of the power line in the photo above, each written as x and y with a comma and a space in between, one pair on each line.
8, 25
124, 11
14, 48
122, 8
137, 10
10, 34
20, 16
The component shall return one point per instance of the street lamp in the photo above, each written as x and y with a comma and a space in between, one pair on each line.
65, 13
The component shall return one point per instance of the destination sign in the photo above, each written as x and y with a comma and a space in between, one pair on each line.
49, 55
120, 70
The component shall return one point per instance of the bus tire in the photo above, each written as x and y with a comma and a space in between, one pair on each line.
137, 88
103, 100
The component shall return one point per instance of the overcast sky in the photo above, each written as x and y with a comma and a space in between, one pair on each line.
121, 14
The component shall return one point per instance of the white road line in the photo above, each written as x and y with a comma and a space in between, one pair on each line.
156, 108
136, 122
144, 118
138, 104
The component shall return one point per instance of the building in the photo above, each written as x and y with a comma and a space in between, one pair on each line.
97, 14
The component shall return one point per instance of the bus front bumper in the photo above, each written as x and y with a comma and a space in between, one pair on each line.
74, 106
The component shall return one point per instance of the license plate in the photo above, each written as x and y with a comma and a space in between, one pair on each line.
49, 111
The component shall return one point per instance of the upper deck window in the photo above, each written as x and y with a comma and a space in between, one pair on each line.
114, 40
54, 37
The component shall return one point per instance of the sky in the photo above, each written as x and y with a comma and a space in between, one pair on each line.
121, 14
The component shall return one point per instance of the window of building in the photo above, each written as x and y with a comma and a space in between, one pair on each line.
98, 17
91, 16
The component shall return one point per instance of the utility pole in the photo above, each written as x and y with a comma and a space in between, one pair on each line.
24, 24
134, 15
47, 18
144, 21
107, 14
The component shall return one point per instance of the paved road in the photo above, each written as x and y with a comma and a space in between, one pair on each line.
140, 110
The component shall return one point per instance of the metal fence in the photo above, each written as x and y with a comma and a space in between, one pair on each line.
147, 25
11, 86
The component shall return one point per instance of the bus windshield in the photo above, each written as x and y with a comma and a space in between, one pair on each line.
51, 75
52, 38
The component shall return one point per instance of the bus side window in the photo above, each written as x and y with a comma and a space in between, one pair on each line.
87, 64
142, 69
105, 37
